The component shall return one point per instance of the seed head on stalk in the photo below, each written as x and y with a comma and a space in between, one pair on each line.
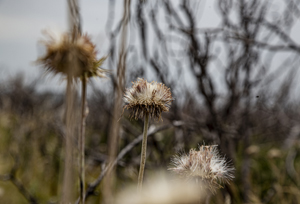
144, 97
75, 57
206, 165
146, 100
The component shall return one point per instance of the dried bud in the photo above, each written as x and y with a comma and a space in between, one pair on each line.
75, 57
153, 98
205, 165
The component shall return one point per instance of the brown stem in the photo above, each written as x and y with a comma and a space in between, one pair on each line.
81, 144
144, 151
68, 172
115, 126
75, 30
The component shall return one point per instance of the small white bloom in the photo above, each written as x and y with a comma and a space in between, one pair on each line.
205, 165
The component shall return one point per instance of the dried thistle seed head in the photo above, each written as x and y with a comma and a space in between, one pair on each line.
144, 97
75, 57
205, 165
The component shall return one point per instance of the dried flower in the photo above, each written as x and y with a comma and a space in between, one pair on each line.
205, 165
144, 97
62, 51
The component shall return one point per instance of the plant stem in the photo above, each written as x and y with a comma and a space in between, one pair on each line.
68, 169
143, 153
114, 131
82, 140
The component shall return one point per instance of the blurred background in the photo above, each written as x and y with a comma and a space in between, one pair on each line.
232, 66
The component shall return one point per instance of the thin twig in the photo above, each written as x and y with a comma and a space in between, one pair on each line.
21, 188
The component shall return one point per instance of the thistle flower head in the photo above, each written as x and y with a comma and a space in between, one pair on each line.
205, 165
62, 52
144, 97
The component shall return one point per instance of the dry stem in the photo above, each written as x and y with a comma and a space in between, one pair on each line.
143, 153
115, 127
68, 173
82, 140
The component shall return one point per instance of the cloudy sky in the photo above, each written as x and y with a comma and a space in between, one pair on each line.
21, 23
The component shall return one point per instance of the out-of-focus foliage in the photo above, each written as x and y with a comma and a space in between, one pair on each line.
32, 140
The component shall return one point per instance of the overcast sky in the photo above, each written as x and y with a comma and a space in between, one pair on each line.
21, 23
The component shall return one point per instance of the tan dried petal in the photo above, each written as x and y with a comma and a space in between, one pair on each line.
144, 97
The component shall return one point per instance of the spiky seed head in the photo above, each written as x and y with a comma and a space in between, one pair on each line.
63, 52
205, 165
144, 97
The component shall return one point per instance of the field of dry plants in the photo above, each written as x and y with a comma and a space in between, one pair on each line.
199, 116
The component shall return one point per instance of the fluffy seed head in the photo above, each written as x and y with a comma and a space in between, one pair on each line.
63, 52
204, 165
144, 97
